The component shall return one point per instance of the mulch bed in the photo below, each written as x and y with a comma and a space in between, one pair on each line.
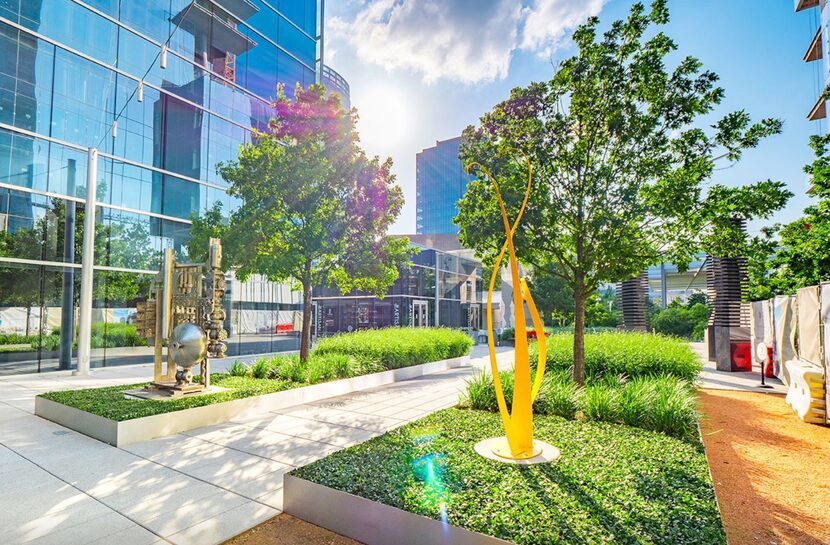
771, 471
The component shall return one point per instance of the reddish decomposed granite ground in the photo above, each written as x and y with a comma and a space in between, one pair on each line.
287, 530
771, 471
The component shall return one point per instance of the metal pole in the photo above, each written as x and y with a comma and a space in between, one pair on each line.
322, 41
68, 300
437, 316
88, 258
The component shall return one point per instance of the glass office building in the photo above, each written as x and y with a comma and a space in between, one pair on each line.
186, 81
412, 300
440, 181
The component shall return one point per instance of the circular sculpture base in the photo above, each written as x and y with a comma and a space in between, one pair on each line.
497, 448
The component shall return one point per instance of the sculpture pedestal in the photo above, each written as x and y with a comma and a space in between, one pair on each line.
496, 448
157, 393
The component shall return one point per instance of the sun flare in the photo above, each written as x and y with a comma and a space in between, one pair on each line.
385, 117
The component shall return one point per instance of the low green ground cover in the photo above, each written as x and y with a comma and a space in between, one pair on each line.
382, 349
613, 483
110, 402
630, 354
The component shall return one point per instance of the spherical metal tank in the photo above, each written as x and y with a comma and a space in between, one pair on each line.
188, 345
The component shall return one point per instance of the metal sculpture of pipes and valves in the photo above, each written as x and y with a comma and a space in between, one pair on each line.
517, 445
184, 311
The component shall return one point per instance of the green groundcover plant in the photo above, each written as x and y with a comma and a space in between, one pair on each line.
110, 402
612, 484
631, 354
343, 356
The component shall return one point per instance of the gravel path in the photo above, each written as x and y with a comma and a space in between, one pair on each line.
771, 471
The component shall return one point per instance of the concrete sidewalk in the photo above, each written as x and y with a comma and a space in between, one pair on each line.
745, 381
205, 486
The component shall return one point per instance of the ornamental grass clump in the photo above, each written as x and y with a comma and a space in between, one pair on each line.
261, 368
238, 369
631, 354
601, 402
558, 395
635, 399
662, 403
323, 367
288, 368
673, 410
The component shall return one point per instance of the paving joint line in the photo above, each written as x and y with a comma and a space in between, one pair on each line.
87, 494
208, 482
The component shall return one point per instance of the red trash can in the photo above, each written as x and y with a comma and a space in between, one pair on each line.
741, 356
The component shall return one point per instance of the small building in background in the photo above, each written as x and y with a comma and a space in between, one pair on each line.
441, 288
666, 283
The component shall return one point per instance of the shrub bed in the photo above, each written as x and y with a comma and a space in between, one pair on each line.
274, 374
397, 347
623, 353
613, 484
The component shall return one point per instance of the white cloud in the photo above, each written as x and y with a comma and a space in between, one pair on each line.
470, 41
547, 21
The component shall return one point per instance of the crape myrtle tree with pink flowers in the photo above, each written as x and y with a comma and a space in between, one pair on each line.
315, 209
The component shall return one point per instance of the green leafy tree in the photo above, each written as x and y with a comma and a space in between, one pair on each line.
619, 161
600, 309
552, 295
315, 209
801, 256
687, 319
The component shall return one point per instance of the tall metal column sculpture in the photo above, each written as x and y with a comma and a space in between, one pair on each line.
184, 311
632, 294
726, 283
518, 444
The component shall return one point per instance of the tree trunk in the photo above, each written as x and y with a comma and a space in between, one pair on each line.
305, 334
579, 335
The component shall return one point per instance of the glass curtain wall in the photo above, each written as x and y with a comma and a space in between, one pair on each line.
66, 73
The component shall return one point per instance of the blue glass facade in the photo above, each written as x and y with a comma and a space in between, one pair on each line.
440, 181
68, 69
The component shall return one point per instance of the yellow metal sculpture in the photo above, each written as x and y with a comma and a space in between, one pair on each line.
518, 443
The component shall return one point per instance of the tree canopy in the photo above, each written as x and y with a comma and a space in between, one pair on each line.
621, 161
315, 209
800, 256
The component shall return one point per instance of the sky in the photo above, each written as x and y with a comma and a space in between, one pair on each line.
422, 70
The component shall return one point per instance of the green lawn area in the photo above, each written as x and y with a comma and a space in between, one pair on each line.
613, 483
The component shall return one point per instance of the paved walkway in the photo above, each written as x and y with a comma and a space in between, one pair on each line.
745, 381
203, 486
